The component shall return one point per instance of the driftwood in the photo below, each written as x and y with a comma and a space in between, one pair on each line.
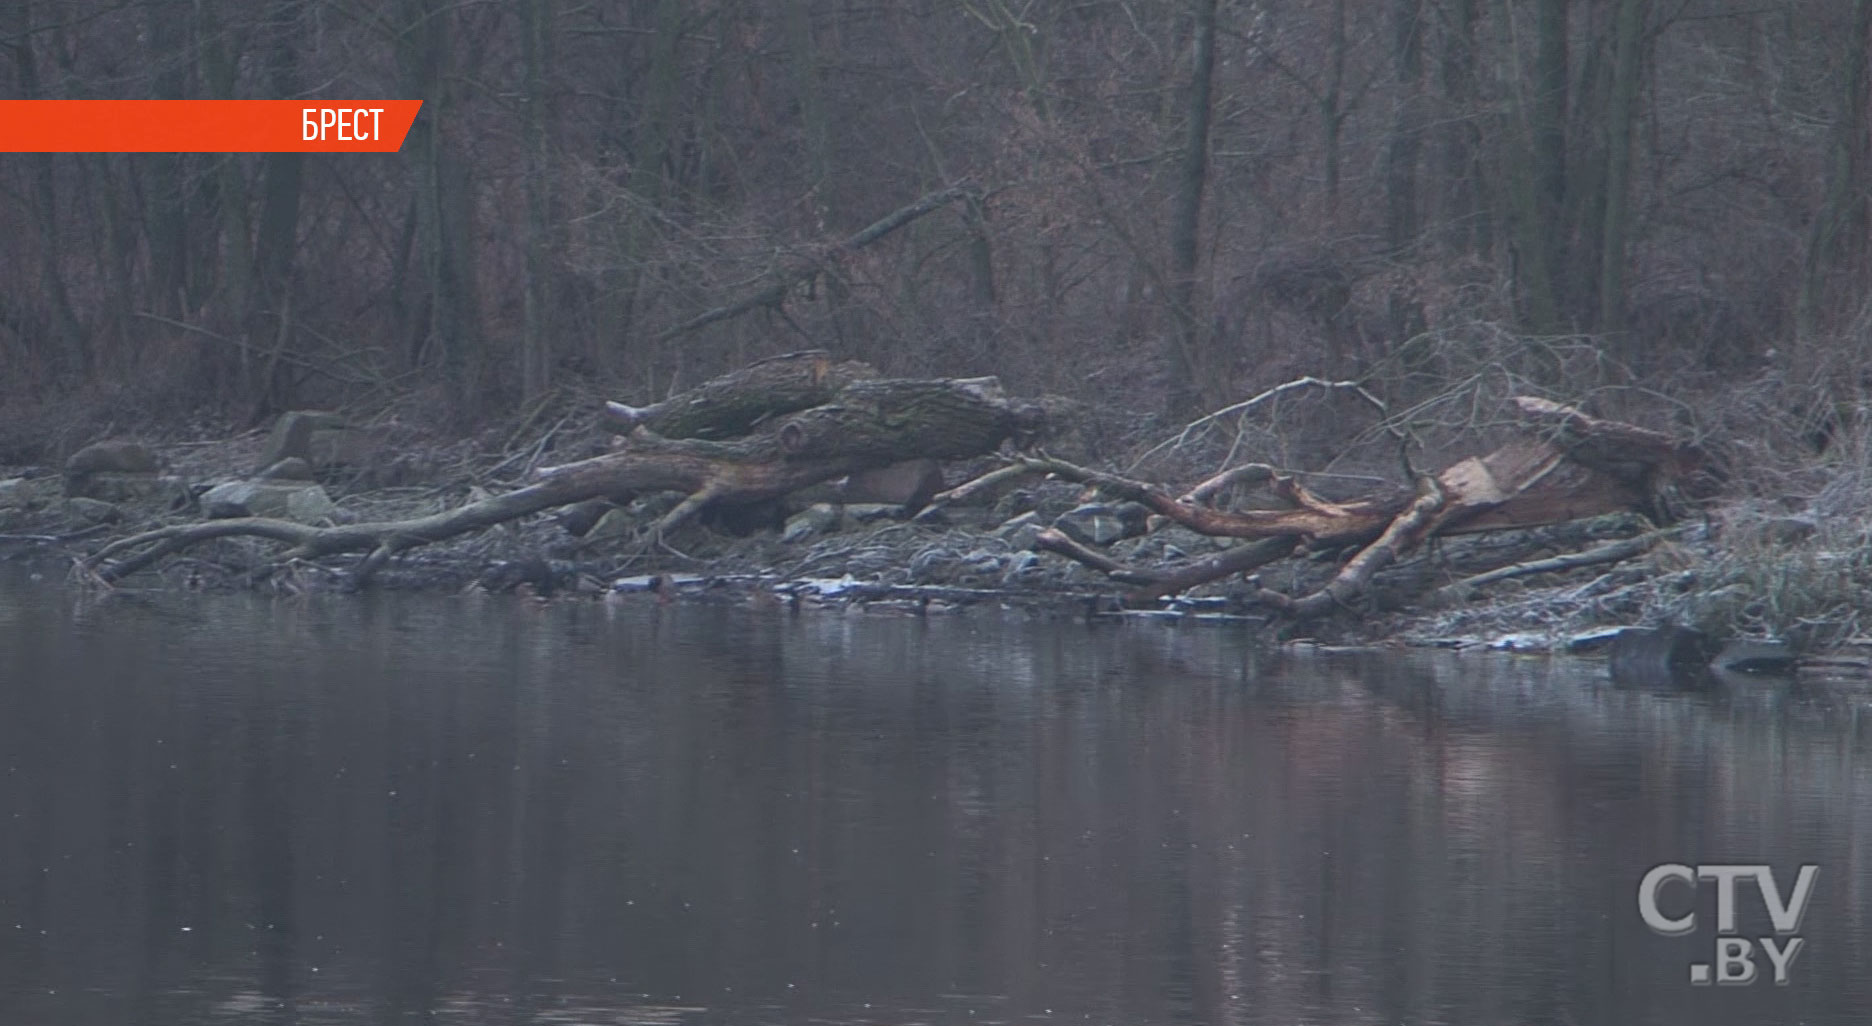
868, 423
1573, 466
794, 421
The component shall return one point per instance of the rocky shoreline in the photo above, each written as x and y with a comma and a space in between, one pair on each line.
822, 550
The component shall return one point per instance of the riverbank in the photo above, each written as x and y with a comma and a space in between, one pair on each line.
1731, 570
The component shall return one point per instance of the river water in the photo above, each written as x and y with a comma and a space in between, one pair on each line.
389, 809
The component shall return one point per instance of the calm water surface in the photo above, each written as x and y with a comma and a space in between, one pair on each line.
395, 809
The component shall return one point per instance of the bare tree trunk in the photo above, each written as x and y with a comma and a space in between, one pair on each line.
805, 61
73, 355
1332, 117
1406, 125
1464, 209
1838, 240
1536, 179
220, 65
165, 222
1186, 213
651, 140
535, 341
445, 190
1622, 112
276, 245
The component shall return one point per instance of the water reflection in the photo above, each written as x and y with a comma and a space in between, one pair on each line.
387, 809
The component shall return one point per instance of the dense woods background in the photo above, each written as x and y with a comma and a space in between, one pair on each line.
1179, 200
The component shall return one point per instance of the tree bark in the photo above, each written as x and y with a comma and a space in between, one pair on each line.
734, 403
1621, 113
445, 200
1186, 213
536, 327
1401, 152
1838, 240
73, 355
868, 424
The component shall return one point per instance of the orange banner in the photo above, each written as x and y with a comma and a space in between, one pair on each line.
204, 126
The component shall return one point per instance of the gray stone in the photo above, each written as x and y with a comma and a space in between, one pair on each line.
15, 493
345, 447
579, 518
121, 457
811, 521
1661, 657
93, 511
1018, 564
292, 435
1593, 640
1014, 503
291, 500
1102, 525
1183, 539
865, 512
310, 505
1769, 657
292, 468
1020, 532
126, 486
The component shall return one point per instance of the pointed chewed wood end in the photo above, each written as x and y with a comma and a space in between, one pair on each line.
621, 419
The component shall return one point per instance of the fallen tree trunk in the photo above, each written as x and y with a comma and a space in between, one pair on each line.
1610, 552
870, 423
794, 421
1158, 583
1576, 467
735, 403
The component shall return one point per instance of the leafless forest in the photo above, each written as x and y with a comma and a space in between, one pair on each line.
1166, 204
